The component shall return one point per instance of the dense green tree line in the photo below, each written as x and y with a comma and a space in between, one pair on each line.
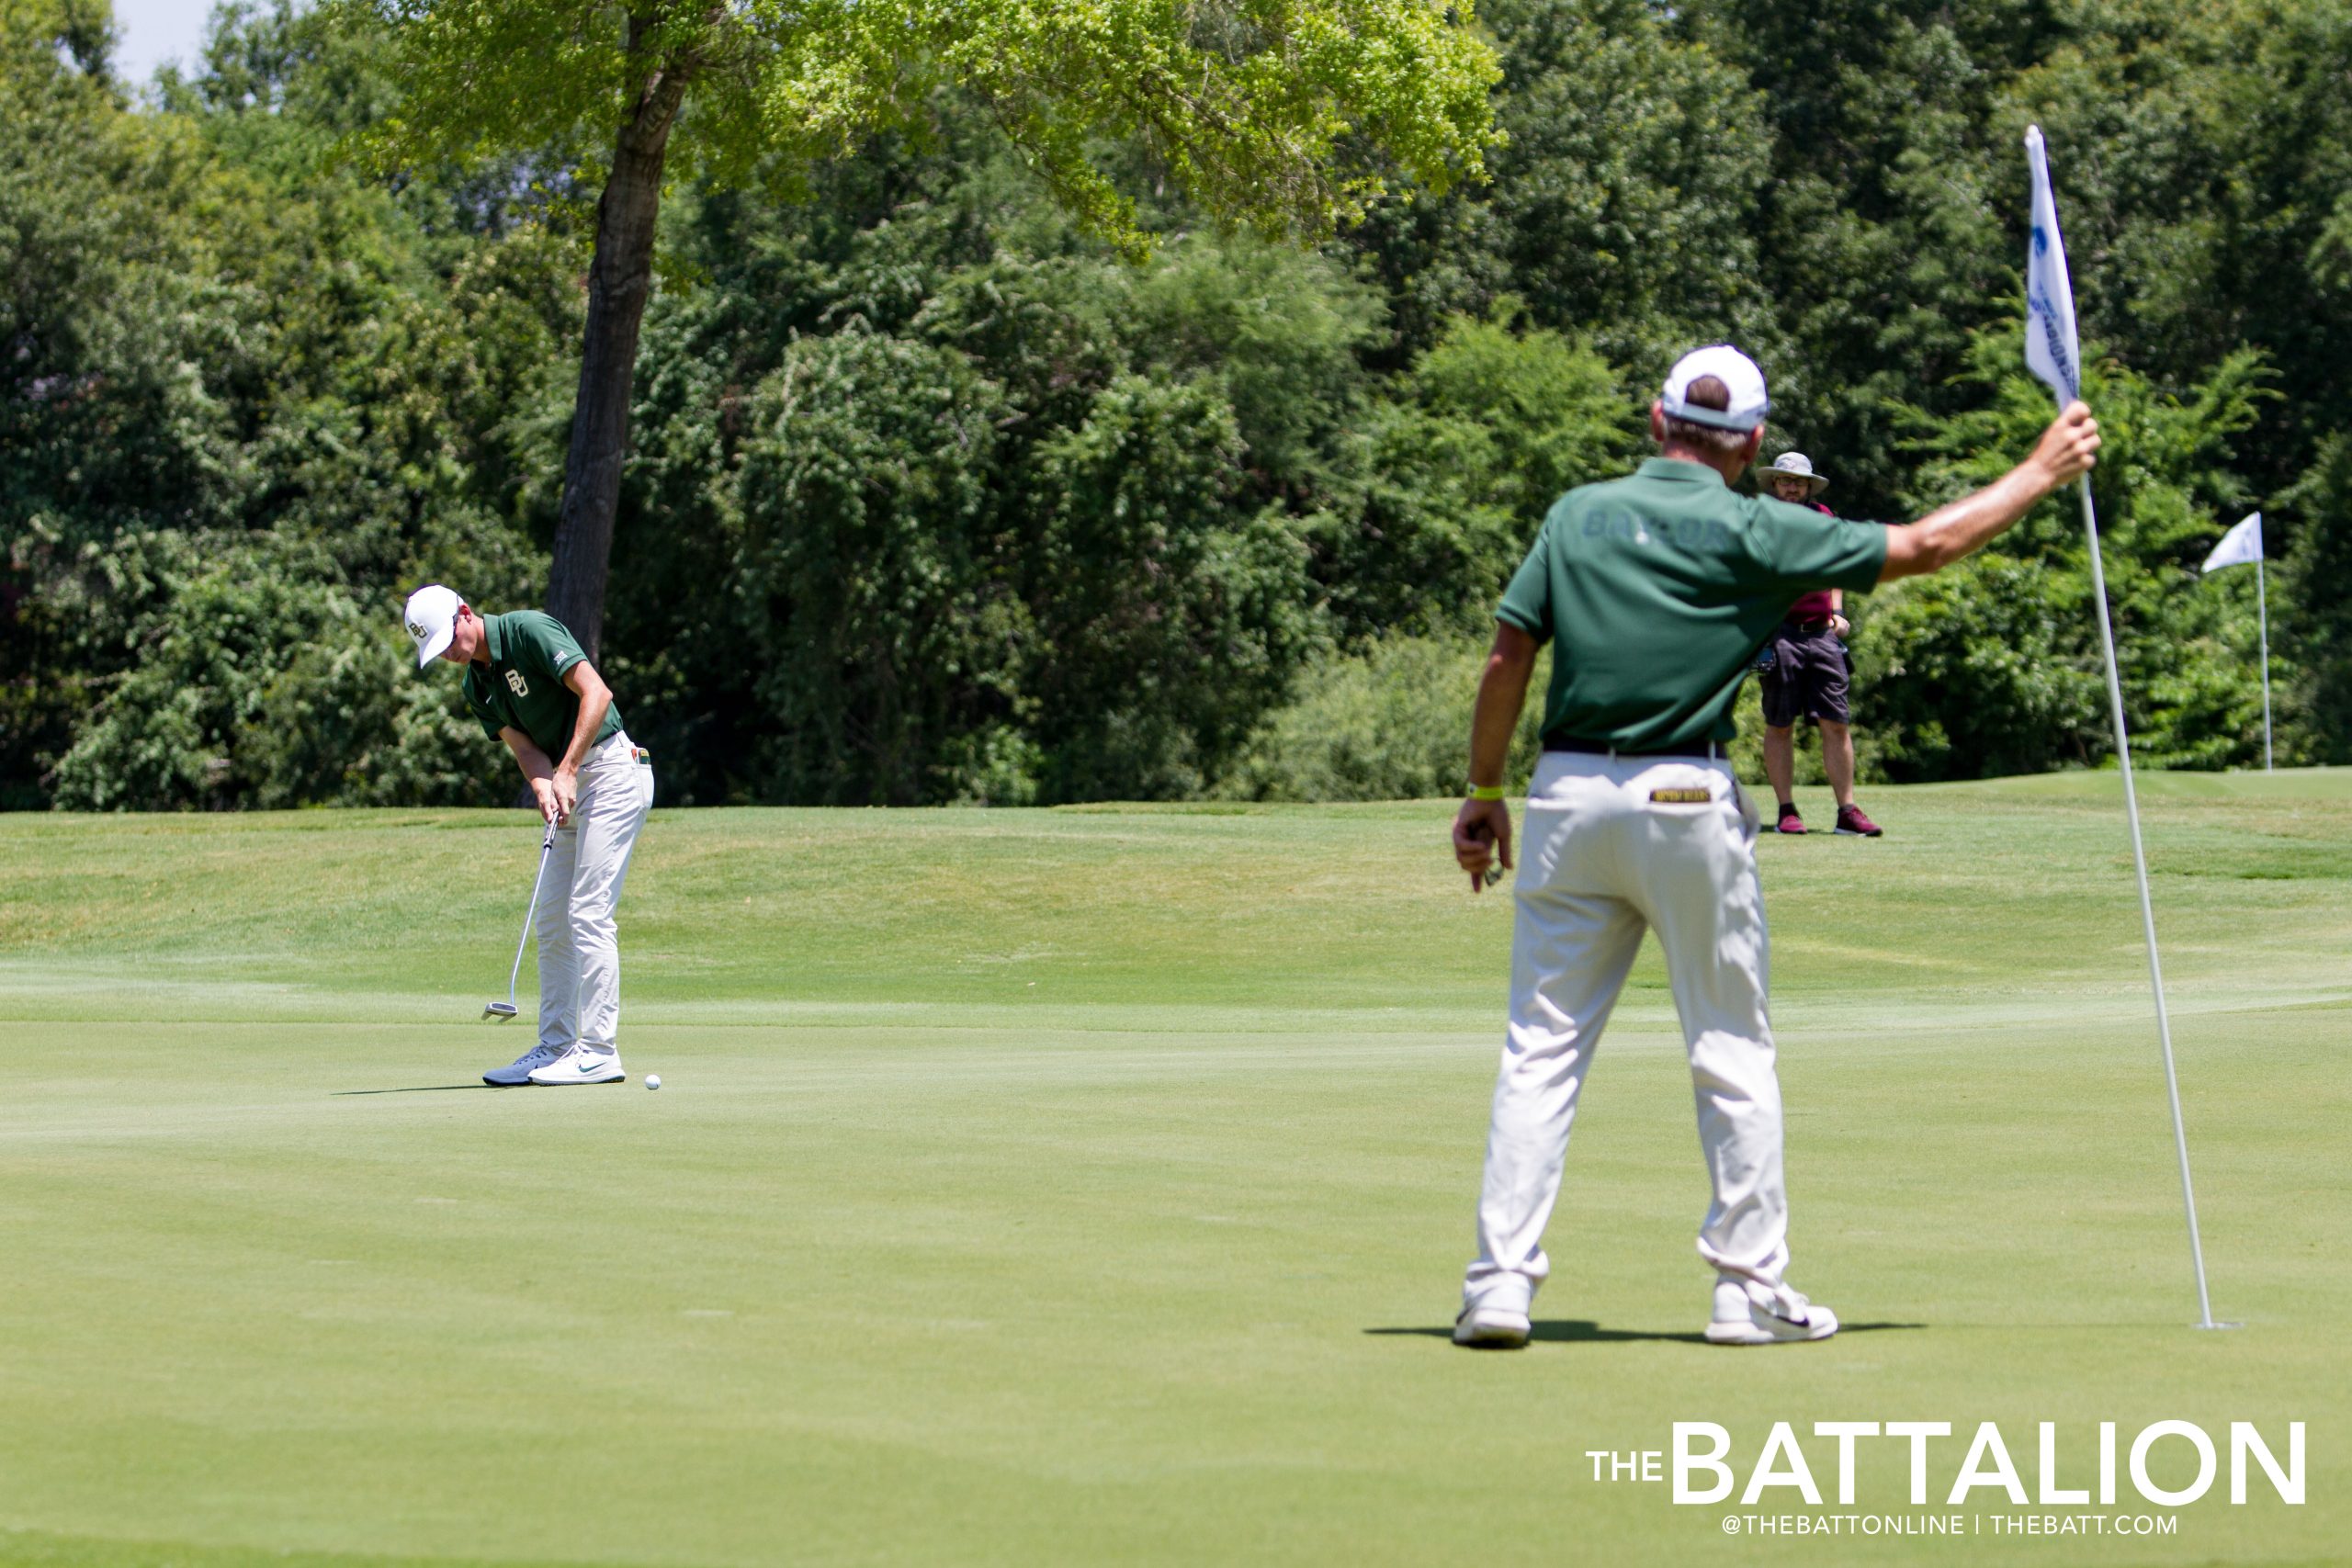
933, 496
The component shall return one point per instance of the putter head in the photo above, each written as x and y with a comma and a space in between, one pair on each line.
501, 1012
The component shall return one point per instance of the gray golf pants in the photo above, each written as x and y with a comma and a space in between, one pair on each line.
1610, 849
580, 955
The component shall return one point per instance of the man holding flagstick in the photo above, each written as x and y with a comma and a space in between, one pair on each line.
2051, 353
2239, 546
1655, 592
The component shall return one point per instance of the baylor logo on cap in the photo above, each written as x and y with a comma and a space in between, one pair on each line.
416, 631
517, 684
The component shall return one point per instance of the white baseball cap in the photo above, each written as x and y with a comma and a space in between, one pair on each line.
1749, 402
432, 620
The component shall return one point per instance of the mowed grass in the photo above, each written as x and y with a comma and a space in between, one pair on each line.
1092, 1187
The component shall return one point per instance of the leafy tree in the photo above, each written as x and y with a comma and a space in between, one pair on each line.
1491, 427
217, 353
1995, 667
1268, 111
2214, 158
863, 583
1388, 721
1166, 621
2311, 605
263, 683
1893, 222
935, 496
1153, 436
1623, 203
110, 432
1279, 334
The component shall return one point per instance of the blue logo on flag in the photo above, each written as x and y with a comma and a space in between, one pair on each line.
2040, 241
2053, 339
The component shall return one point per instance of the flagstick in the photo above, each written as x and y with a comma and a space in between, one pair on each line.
2147, 907
2262, 609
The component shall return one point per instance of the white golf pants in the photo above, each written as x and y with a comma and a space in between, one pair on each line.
1610, 849
580, 955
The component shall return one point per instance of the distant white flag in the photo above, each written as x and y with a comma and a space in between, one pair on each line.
2242, 545
2050, 348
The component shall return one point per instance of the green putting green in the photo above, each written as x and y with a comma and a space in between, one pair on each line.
1092, 1186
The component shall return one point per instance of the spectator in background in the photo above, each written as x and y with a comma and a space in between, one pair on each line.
1807, 674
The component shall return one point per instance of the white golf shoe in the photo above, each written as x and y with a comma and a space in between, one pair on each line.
1491, 1328
1754, 1314
581, 1063
518, 1072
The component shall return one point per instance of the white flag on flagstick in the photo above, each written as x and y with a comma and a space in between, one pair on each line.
2242, 545
2050, 347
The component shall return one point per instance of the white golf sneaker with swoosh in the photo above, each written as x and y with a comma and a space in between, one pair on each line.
1756, 1314
518, 1072
581, 1063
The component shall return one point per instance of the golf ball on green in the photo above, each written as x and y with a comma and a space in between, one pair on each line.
654, 1080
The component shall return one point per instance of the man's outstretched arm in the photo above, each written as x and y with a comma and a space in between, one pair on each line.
1482, 830
2067, 450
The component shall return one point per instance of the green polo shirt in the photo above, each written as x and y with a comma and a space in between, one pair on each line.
1656, 591
522, 686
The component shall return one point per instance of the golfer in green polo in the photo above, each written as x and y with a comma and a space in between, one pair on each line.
529, 686
1655, 593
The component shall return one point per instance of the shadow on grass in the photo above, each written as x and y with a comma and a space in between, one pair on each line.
1584, 1331
421, 1089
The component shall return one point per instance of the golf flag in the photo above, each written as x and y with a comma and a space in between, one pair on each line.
2050, 348
2051, 353
2242, 545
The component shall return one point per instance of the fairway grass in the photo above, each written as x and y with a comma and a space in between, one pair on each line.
1092, 1186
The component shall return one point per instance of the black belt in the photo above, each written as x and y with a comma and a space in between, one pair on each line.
1602, 749
1822, 625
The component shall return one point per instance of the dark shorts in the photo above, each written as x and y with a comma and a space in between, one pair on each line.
1807, 679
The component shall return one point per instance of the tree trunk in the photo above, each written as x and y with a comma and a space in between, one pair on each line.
620, 276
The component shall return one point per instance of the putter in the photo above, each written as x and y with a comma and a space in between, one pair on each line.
503, 1010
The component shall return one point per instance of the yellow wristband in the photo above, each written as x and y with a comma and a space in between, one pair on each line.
1485, 792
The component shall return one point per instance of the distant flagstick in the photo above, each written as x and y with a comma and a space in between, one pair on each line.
2239, 546
2262, 610
2051, 353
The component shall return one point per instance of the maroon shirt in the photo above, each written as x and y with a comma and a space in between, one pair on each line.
1814, 606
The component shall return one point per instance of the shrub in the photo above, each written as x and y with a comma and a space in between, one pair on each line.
1390, 722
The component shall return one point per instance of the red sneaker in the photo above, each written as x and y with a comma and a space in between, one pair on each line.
1850, 820
1790, 821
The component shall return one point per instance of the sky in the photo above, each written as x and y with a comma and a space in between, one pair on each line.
152, 31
